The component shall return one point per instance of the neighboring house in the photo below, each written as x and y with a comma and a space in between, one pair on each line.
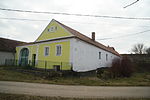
61, 47
7, 49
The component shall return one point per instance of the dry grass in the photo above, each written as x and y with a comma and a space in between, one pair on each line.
138, 79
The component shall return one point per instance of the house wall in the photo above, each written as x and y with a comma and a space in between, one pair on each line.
6, 55
52, 55
51, 59
85, 56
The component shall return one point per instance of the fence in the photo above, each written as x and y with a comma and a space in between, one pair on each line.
40, 64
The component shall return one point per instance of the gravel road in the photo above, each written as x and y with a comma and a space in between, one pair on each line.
38, 89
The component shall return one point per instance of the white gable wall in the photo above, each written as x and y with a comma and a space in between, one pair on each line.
85, 57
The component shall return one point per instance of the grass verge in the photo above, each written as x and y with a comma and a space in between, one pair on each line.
4, 96
138, 79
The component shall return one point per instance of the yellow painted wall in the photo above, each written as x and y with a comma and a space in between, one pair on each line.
52, 59
31, 48
60, 32
17, 53
52, 56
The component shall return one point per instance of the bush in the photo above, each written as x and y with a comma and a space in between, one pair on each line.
127, 67
121, 67
115, 69
106, 75
100, 71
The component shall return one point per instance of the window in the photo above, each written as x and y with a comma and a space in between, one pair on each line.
52, 29
106, 57
58, 50
46, 51
99, 55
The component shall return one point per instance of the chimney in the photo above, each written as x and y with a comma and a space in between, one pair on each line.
93, 36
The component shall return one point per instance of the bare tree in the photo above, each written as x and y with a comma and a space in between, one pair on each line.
148, 51
138, 48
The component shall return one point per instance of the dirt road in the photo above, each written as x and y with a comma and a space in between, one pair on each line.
73, 91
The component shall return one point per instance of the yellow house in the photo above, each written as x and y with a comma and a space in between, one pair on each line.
60, 47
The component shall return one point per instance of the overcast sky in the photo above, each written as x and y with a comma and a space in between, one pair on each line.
117, 29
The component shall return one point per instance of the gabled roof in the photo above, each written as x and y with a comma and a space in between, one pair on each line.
8, 45
89, 40
81, 37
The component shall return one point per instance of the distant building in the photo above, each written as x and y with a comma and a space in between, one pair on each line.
7, 49
61, 47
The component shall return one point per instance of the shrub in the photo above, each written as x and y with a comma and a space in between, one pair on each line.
121, 67
100, 71
106, 75
115, 69
127, 67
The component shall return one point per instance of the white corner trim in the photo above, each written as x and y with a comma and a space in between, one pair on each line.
55, 38
56, 41
37, 51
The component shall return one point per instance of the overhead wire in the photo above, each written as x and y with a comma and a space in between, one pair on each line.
131, 4
122, 36
116, 17
44, 20
87, 15
23, 19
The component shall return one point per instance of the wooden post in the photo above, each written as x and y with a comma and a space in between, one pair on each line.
61, 66
45, 65
71, 66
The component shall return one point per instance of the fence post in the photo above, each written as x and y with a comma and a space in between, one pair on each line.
45, 65
71, 66
30, 63
61, 65
36, 62
5, 62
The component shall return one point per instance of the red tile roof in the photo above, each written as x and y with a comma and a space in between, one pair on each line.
89, 40
8, 45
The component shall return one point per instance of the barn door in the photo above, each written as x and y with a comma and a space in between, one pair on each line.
24, 53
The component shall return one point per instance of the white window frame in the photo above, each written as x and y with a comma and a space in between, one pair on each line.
45, 50
60, 50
